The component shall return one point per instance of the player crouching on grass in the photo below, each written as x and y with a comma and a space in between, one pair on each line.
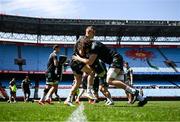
115, 74
53, 74
13, 89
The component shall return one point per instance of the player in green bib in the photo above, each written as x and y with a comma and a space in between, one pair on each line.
13, 89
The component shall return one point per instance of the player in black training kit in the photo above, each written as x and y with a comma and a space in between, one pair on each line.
53, 74
115, 74
78, 68
26, 88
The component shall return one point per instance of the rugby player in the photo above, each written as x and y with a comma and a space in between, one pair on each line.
128, 78
25, 85
52, 76
78, 68
13, 89
115, 74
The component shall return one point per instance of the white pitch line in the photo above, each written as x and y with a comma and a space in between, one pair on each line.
78, 115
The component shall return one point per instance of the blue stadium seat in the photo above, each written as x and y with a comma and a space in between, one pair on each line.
36, 58
7, 55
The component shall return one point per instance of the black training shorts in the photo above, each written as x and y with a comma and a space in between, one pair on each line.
77, 66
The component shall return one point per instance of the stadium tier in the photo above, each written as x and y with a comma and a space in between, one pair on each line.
142, 60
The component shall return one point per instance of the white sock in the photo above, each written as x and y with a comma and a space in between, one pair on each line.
109, 99
130, 90
140, 98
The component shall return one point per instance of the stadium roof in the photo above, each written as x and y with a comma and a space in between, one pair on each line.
44, 26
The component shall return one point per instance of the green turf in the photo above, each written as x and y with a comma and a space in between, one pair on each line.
34, 112
154, 111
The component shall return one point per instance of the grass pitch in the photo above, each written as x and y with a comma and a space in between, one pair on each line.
153, 111
121, 111
34, 112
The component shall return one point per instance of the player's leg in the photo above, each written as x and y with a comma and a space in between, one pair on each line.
14, 96
54, 86
46, 89
10, 97
90, 81
77, 82
106, 93
56, 94
83, 90
129, 96
96, 89
76, 68
103, 87
75, 95
24, 95
51, 81
28, 94
115, 77
96, 95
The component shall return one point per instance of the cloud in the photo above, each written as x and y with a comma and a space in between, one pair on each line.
43, 8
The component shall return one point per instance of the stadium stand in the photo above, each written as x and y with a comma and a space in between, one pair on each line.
36, 58
7, 55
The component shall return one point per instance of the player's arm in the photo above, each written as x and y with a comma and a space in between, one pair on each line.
55, 61
131, 76
88, 61
10, 87
55, 64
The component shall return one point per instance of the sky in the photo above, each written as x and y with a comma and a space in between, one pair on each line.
94, 9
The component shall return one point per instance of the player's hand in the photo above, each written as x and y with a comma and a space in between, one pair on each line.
56, 71
75, 57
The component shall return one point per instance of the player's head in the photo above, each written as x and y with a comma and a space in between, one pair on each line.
80, 48
83, 47
56, 48
90, 32
27, 77
126, 64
